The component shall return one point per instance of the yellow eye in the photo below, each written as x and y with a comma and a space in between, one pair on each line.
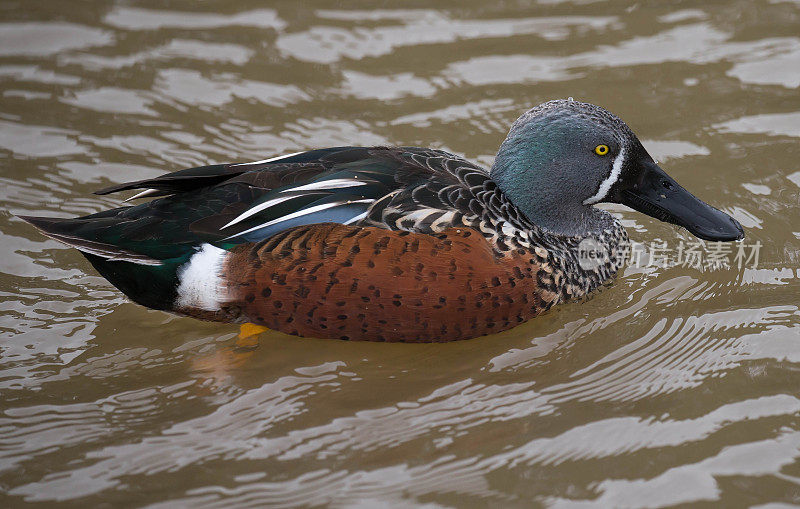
601, 150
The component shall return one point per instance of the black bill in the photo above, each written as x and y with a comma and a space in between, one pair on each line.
656, 194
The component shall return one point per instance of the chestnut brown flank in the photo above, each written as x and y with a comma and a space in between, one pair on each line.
364, 283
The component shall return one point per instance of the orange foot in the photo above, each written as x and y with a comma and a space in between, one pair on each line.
220, 363
248, 336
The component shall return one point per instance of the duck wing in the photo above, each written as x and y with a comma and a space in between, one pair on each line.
199, 177
225, 205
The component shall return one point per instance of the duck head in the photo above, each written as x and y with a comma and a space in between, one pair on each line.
563, 157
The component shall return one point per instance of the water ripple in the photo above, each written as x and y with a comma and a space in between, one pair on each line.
672, 386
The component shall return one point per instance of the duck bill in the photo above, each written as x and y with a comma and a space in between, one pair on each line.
658, 195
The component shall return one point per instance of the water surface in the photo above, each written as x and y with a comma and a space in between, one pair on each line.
675, 385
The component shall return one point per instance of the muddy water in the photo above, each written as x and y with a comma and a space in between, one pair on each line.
678, 384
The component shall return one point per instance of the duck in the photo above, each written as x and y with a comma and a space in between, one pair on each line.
389, 243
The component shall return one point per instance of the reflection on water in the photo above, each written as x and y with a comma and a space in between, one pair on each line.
671, 386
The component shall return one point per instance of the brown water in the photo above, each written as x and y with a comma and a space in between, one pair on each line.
675, 385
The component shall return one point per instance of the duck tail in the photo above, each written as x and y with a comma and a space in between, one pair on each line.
67, 231
144, 279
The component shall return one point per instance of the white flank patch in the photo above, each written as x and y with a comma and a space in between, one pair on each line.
201, 280
605, 186
278, 158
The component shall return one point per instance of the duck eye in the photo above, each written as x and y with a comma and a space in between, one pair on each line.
601, 150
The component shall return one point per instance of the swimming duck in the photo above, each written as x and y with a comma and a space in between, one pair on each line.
391, 243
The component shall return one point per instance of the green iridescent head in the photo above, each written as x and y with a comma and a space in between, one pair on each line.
563, 157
